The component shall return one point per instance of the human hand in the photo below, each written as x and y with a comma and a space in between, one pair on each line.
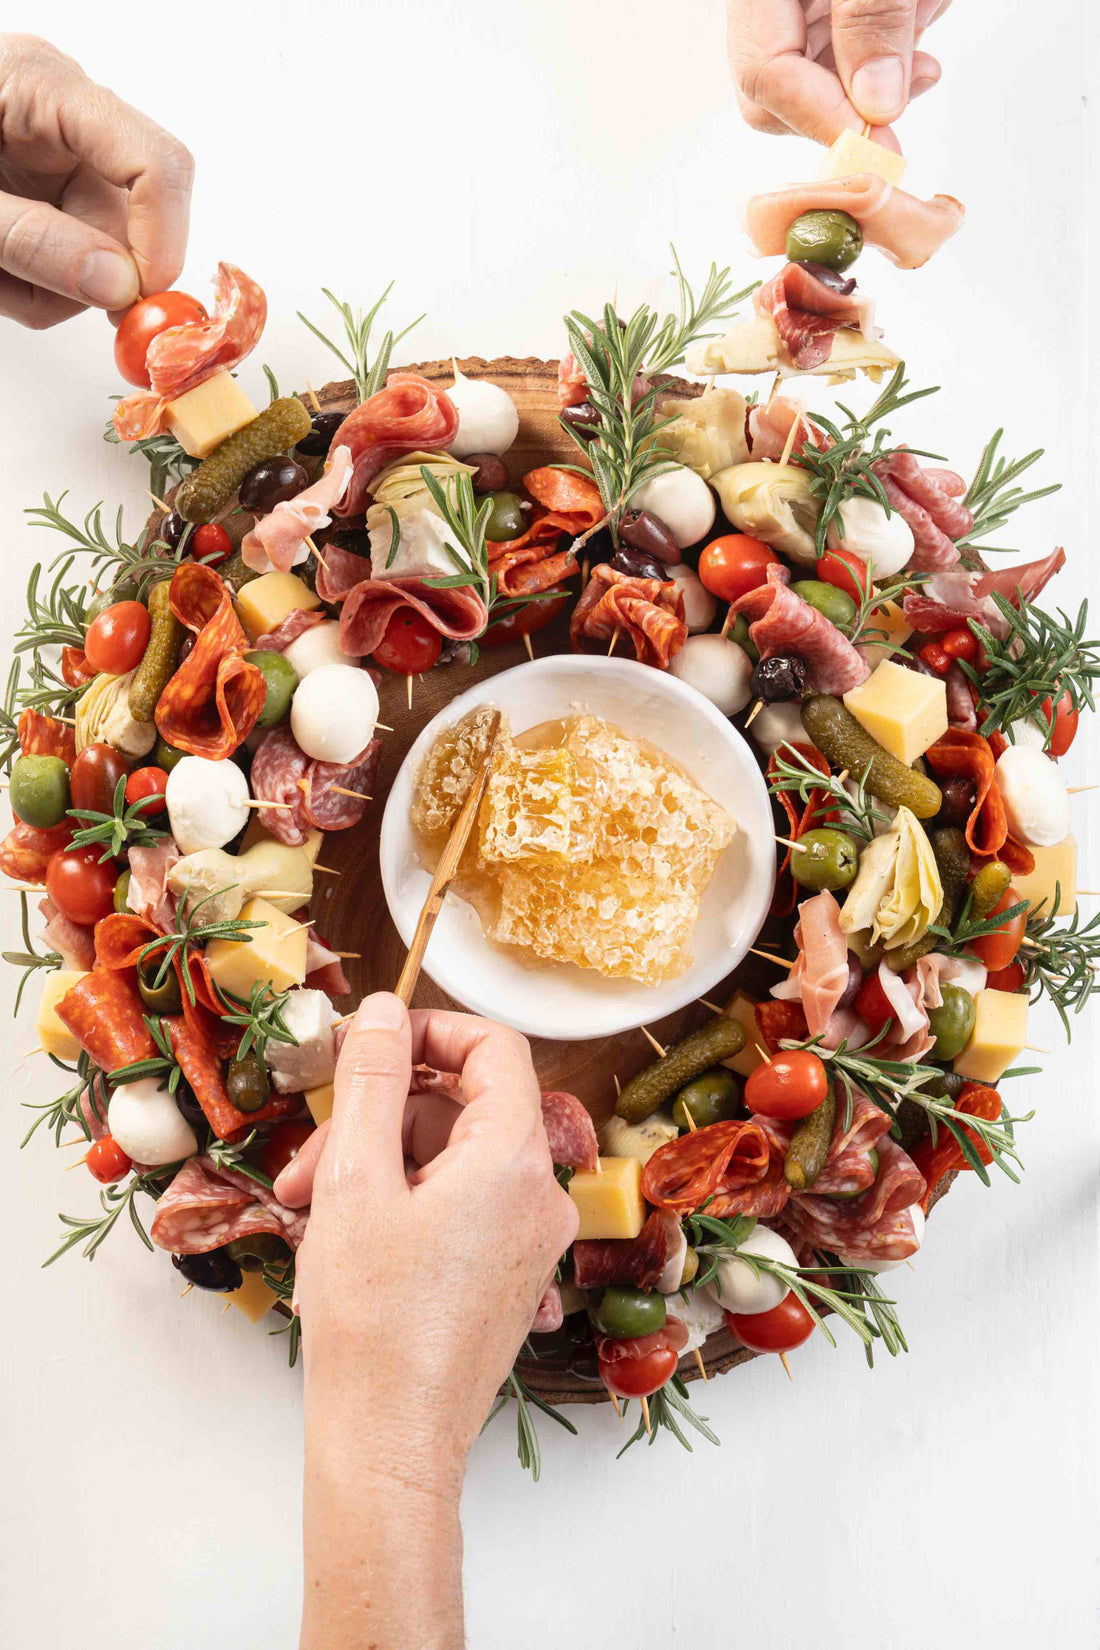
820, 66
93, 195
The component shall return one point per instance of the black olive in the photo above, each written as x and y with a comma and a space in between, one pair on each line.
644, 531
190, 1110
782, 676
271, 482
170, 529
583, 419
855, 980
324, 426
959, 798
844, 284
215, 1270
490, 473
636, 565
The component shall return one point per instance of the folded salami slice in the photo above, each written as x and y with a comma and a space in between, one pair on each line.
648, 611
296, 623
27, 850
211, 704
105, 1015
848, 1168
532, 563
570, 1131
781, 622
326, 809
283, 773
457, 612
728, 1166
637, 1262
875, 1227
936, 517
206, 1207
408, 415
44, 736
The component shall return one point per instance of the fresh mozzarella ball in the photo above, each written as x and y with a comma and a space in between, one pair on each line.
917, 1214
487, 418
683, 501
779, 724
333, 712
884, 541
736, 1289
968, 974
147, 1123
699, 605
1025, 734
319, 645
700, 1314
1034, 795
207, 803
717, 668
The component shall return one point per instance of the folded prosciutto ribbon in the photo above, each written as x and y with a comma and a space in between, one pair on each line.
906, 229
532, 563
214, 700
807, 313
276, 540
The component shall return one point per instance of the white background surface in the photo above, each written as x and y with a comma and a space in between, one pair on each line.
505, 161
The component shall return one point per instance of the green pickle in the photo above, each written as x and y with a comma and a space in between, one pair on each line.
209, 488
167, 756
809, 1145
236, 572
990, 884
716, 1041
708, 1098
122, 893
835, 732
159, 659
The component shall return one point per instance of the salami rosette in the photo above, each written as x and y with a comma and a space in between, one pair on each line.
728, 1166
570, 1132
458, 613
106, 1016
205, 1207
959, 752
211, 704
529, 564
409, 415
648, 611
781, 622
40, 735
873, 1228
27, 850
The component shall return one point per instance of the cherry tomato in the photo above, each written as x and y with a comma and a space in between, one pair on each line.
960, 644
283, 1146
1065, 724
846, 571
780, 1330
1011, 978
733, 564
210, 543
936, 657
872, 1004
410, 644
107, 1161
998, 949
147, 782
791, 1084
523, 621
82, 889
117, 640
96, 773
140, 325
638, 1377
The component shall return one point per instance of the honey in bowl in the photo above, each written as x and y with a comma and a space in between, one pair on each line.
591, 847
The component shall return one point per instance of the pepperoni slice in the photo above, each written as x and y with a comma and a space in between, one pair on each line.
211, 704
26, 850
105, 1015
44, 736
201, 1063
719, 1165
648, 611
531, 563
961, 752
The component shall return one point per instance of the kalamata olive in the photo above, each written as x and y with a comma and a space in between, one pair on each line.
271, 483
490, 474
636, 565
215, 1270
583, 419
187, 646
644, 531
783, 676
855, 980
319, 439
844, 284
171, 528
190, 1110
959, 797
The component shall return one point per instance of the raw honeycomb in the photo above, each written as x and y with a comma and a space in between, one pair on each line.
530, 806
448, 770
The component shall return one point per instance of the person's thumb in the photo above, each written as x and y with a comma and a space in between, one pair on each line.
873, 47
50, 249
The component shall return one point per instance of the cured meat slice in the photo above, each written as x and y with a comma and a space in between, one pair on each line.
950, 599
93, 1108
149, 896
572, 384
935, 1159
181, 358
73, 942
119, 942
638, 1262
27, 850
877, 1226
648, 611
200, 1060
725, 1165
205, 1207
296, 623
848, 1168
457, 612
341, 571
781, 1022
279, 762
820, 975
276, 539
326, 809
550, 1315
906, 229
570, 1131
807, 314
935, 517
531, 563
936, 491
211, 704
959, 752
812, 814
324, 969
781, 622
105, 1015
44, 736
408, 415
961, 712
75, 669
673, 1337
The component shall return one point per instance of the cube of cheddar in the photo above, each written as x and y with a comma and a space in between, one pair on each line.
53, 1034
1052, 885
743, 1009
609, 1199
209, 414
253, 1298
853, 153
904, 711
274, 954
319, 1101
265, 602
999, 1035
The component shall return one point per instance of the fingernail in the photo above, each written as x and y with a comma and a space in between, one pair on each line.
108, 279
878, 88
382, 1012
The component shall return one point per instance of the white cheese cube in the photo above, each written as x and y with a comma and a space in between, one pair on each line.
999, 1035
310, 1060
274, 954
209, 414
905, 711
423, 550
853, 153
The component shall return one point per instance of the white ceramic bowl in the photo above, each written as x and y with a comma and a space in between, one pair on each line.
559, 1000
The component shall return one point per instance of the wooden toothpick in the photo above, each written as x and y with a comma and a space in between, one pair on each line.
327, 870
791, 434
615, 1402
316, 552
754, 713
618, 1085
342, 790
786, 1365
409, 690
346, 956
652, 1041
614, 639
692, 1125
768, 957
644, 1401
160, 504
697, 1355
253, 802
527, 645
1076, 790
712, 1006
186, 1291
312, 393
795, 847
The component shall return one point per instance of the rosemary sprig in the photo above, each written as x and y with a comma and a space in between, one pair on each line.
134, 564
9, 719
114, 1201
190, 933
29, 960
280, 1280
1063, 961
369, 375
795, 773
694, 315
168, 463
862, 630
48, 692
261, 1018
124, 827
966, 927
161, 1064
528, 1450
232, 1156
993, 498
56, 619
667, 1407
1042, 656
881, 1310
57, 1114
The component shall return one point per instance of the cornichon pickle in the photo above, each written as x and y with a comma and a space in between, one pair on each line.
235, 571
953, 863
835, 731
988, 886
717, 1040
159, 659
810, 1144
215, 481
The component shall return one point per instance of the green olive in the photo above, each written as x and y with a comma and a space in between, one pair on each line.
122, 894
280, 680
39, 791
247, 1082
629, 1312
161, 995
691, 1267
739, 633
262, 1249
824, 858
708, 1098
951, 1023
837, 606
830, 238
166, 756
848, 1197
506, 518
125, 591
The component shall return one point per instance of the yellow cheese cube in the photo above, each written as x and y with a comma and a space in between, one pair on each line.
265, 602
255, 833
319, 1101
253, 1298
999, 1035
208, 415
904, 711
1053, 883
889, 619
275, 953
53, 1034
743, 1009
610, 1201
853, 153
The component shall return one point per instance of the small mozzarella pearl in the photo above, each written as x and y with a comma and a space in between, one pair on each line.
487, 418
779, 724
699, 605
1034, 795
317, 646
333, 712
146, 1122
207, 803
884, 541
717, 668
917, 1215
682, 500
739, 1290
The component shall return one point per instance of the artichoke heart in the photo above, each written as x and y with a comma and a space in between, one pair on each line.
103, 718
401, 487
707, 432
772, 502
897, 891
755, 346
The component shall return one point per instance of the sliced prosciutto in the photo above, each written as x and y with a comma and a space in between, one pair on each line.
819, 977
807, 314
73, 942
409, 415
148, 894
935, 515
906, 229
276, 540
781, 622
949, 600
649, 612
206, 1207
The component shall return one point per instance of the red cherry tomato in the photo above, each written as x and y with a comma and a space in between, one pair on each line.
96, 773
960, 644
140, 325
1065, 724
872, 1004
638, 1377
82, 889
733, 564
936, 657
1011, 978
147, 782
117, 640
523, 621
791, 1084
998, 949
283, 1146
780, 1330
410, 644
210, 543
107, 1161
846, 571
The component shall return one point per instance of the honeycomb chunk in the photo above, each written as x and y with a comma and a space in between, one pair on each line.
529, 807
448, 770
